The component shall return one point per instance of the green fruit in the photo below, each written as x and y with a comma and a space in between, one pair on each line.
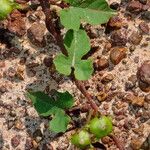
100, 127
81, 139
6, 7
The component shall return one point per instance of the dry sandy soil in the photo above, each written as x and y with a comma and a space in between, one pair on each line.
115, 88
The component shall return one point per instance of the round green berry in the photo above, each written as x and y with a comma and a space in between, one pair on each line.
81, 139
6, 7
100, 127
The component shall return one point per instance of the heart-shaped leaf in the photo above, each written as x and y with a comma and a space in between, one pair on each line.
93, 12
59, 122
54, 106
77, 44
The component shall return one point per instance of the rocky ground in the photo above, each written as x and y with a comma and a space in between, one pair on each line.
120, 84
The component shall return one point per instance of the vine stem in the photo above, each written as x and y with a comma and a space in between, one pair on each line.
81, 87
51, 28
50, 25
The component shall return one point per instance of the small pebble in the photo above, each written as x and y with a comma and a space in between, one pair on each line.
143, 75
48, 61
146, 15
147, 98
22, 61
144, 27
117, 54
135, 38
136, 143
101, 64
107, 78
28, 144
15, 141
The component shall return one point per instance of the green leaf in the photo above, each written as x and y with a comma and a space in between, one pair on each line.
84, 69
59, 122
91, 11
63, 100
55, 106
77, 44
46, 105
93, 4
42, 103
6, 7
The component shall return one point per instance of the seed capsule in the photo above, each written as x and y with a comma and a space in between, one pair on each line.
81, 139
100, 127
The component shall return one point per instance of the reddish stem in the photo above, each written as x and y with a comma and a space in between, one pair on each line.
50, 25
81, 87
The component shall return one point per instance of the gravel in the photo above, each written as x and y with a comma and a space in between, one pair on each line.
114, 85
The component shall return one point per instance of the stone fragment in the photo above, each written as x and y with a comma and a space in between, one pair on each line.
116, 22
18, 124
117, 54
146, 15
107, 48
143, 75
36, 34
135, 38
2, 64
119, 38
134, 100
144, 27
11, 72
144, 87
3, 89
28, 144
101, 96
22, 60
139, 130
101, 64
48, 61
131, 83
107, 78
147, 98
17, 23
134, 6
144, 72
15, 141
136, 143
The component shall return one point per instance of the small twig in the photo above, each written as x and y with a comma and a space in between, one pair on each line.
81, 108
81, 87
50, 25
118, 143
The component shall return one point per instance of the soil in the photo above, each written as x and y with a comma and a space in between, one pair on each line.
120, 84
